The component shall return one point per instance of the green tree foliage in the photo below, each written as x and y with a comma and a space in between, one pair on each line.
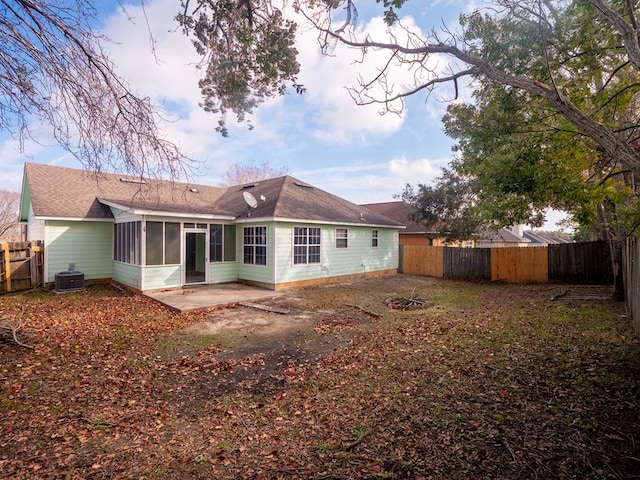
248, 53
525, 153
449, 208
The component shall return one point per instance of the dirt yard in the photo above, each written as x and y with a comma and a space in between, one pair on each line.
456, 381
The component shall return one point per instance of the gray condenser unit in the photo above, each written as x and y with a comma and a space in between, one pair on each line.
68, 281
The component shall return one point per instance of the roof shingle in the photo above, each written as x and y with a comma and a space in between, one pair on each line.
60, 192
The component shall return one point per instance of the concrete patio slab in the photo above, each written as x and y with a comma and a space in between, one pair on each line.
200, 297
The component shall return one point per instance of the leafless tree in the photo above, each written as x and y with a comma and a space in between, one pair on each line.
240, 174
9, 204
54, 69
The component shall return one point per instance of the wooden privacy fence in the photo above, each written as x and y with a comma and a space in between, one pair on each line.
631, 268
587, 262
21, 266
568, 263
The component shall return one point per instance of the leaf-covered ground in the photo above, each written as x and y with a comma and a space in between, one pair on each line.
490, 382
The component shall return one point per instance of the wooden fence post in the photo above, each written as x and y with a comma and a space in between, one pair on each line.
7, 267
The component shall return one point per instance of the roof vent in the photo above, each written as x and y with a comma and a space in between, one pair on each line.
302, 185
138, 181
251, 185
194, 190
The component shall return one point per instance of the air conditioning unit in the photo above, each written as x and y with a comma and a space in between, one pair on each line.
69, 281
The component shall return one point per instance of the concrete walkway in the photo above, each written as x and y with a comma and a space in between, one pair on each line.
204, 296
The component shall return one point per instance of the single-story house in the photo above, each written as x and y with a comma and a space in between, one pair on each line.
151, 234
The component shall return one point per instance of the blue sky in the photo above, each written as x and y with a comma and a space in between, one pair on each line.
321, 137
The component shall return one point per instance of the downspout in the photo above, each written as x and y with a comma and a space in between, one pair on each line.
143, 250
275, 257
45, 257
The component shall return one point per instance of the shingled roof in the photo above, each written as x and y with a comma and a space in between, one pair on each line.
398, 211
60, 192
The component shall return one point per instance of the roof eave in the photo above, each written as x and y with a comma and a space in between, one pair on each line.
163, 213
251, 219
73, 219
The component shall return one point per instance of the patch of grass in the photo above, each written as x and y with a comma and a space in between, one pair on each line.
186, 344
324, 447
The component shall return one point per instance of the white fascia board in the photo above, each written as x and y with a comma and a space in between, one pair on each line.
245, 219
159, 213
328, 222
73, 219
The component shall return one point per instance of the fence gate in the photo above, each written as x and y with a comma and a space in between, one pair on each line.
21, 266
584, 263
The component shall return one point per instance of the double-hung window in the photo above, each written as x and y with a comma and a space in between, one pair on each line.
306, 245
374, 238
255, 245
342, 236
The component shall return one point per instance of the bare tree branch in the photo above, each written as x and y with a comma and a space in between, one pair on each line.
53, 68
9, 204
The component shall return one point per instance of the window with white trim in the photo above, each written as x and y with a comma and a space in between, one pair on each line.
374, 238
255, 245
342, 236
306, 245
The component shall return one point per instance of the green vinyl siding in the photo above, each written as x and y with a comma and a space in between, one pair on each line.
88, 245
220, 272
256, 273
357, 257
128, 274
35, 227
161, 276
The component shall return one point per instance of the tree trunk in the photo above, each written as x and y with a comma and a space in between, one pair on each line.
615, 247
606, 210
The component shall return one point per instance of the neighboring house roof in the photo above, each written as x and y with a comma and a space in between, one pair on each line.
60, 192
504, 235
546, 238
398, 211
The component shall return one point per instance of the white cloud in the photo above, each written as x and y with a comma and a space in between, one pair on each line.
337, 116
372, 182
421, 170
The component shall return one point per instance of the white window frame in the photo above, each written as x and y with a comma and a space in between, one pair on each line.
302, 246
255, 246
342, 238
